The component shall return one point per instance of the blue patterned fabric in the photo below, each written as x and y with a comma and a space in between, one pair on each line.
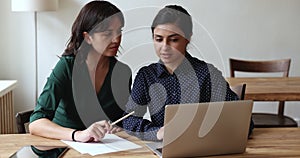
154, 87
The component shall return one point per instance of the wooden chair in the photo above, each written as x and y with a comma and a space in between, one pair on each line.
283, 66
239, 90
22, 118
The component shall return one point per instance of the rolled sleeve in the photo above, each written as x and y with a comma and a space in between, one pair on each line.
52, 92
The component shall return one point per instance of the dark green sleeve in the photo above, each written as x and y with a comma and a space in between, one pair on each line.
53, 90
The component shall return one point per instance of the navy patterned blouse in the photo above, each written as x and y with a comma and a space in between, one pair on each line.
154, 87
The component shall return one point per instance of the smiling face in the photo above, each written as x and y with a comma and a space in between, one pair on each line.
170, 44
106, 42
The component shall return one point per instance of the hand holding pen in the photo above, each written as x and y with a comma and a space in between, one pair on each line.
97, 130
118, 129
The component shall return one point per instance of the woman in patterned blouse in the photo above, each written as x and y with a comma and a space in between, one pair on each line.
177, 77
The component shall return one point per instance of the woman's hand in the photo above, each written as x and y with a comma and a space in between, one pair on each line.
94, 132
115, 129
160, 133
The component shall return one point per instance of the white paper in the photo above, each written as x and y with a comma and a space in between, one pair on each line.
110, 143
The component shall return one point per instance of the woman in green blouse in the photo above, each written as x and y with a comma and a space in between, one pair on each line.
88, 86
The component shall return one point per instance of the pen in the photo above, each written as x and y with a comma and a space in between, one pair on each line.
122, 118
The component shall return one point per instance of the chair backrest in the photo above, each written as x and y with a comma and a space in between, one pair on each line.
21, 119
239, 90
281, 65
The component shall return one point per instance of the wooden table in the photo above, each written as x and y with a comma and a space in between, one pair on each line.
265, 142
10, 143
7, 116
269, 88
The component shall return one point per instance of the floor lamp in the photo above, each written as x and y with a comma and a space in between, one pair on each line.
34, 6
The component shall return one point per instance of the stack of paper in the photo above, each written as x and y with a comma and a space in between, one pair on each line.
110, 143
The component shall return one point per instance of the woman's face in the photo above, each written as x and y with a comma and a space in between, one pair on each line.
170, 43
107, 42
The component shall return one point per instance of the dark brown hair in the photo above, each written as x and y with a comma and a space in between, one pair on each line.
177, 15
93, 17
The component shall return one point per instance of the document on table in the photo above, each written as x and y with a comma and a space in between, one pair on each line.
110, 143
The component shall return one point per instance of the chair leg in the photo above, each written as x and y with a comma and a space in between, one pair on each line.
281, 109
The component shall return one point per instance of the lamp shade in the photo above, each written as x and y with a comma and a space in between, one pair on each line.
34, 5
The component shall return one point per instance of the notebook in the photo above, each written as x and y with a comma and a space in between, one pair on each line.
204, 129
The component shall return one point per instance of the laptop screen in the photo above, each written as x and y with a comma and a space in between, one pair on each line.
204, 129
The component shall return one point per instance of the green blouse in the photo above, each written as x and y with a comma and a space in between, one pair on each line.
69, 99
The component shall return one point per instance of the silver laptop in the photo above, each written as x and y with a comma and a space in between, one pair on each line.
204, 129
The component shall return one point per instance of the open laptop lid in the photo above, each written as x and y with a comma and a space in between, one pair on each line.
203, 129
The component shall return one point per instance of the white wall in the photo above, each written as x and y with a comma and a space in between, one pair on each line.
248, 29
16, 55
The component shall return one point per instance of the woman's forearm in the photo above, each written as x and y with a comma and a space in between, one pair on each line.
46, 128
